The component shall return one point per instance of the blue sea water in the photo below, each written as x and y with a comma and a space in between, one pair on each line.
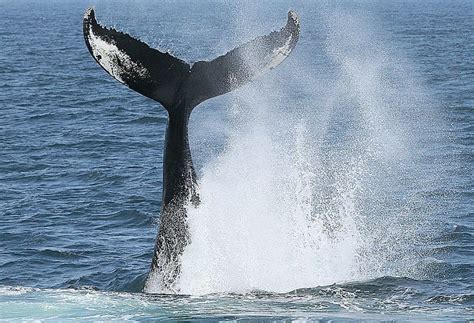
337, 187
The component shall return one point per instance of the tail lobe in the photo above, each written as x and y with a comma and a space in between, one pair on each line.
244, 63
146, 70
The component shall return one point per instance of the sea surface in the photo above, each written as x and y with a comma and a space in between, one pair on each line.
338, 187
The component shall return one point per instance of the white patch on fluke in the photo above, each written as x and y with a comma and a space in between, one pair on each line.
108, 55
276, 57
280, 53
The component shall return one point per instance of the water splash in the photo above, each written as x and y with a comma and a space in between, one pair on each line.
318, 180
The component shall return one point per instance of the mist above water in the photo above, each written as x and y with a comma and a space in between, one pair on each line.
320, 176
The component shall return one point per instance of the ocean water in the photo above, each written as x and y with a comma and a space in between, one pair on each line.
337, 187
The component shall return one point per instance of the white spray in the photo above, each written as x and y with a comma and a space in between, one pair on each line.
313, 184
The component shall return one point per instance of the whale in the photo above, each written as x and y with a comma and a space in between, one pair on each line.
179, 87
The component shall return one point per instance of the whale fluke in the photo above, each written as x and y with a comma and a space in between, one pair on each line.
160, 76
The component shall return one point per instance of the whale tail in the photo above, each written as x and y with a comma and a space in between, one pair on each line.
179, 87
170, 80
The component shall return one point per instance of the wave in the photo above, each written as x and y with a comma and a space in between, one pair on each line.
384, 298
